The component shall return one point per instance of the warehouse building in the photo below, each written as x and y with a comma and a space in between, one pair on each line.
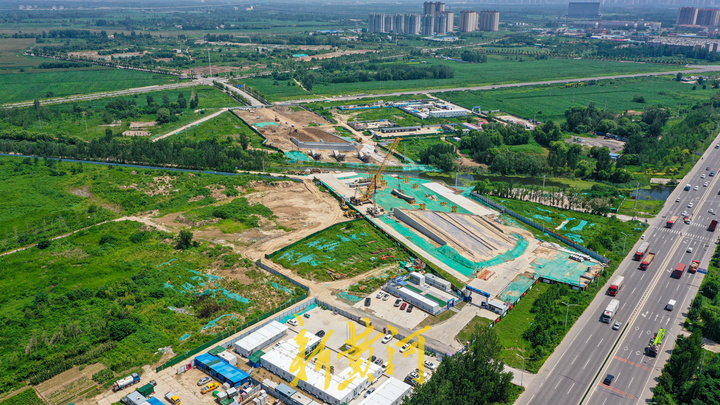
432, 296
391, 392
263, 337
279, 362
220, 370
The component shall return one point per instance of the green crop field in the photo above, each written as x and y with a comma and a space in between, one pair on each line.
11, 54
497, 70
550, 102
347, 249
27, 397
62, 118
35, 84
109, 294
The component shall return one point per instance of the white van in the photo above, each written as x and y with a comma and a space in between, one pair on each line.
670, 305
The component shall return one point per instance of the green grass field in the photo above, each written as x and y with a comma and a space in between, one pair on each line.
225, 125
92, 125
40, 202
349, 249
412, 147
497, 70
36, 83
550, 102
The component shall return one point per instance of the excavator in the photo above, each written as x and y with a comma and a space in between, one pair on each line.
376, 178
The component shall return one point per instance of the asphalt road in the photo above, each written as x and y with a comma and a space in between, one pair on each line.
592, 349
690, 70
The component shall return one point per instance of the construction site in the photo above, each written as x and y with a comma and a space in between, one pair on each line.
303, 135
451, 230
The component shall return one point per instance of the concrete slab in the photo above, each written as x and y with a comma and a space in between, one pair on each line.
386, 310
459, 199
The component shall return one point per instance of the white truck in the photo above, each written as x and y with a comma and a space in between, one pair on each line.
610, 311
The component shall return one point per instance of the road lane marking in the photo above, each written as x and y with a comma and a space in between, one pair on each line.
601, 340
586, 363
576, 356
571, 387
556, 385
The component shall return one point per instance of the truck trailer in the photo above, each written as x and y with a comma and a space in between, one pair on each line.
693, 266
712, 226
641, 251
654, 345
646, 262
616, 286
133, 378
610, 311
671, 221
679, 270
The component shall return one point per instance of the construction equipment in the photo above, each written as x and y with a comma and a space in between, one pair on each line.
376, 177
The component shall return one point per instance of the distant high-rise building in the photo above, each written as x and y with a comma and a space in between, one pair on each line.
441, 23
433, 8
469, 21
389, 24
399, 23
412, 24
427, 24
709, 17
376, 22
489, 20
584, 10
687, 16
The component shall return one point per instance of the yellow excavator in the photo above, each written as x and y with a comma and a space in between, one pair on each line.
376, 178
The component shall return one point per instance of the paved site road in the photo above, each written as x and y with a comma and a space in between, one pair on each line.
579, 364
690, 69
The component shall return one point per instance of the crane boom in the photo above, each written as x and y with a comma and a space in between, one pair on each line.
377, 177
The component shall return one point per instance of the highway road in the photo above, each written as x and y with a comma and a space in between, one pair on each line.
592, 349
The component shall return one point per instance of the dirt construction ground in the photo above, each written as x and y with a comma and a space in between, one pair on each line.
294, 124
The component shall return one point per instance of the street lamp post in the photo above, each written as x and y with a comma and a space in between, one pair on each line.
567, 311
522, 374
624, 242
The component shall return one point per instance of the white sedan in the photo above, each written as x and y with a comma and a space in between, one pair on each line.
690, 205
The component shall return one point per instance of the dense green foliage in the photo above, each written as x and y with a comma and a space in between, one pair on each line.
27, 397
475, 376
105, 294
440, 155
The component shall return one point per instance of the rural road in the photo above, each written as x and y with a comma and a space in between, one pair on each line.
104, 94
693, 69
190, 125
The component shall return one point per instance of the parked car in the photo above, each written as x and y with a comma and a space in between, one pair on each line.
209, 387
385, 298
380, 295
204, 381
430, 365
320, 333
370, 391
404, 348
397, 302
402, 307
367, 301
306, 315
387, 338
293, 322
410, 308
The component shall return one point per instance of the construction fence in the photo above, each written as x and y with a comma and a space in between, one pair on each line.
541, 228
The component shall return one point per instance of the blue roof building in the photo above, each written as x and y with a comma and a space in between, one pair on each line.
221, 370
154, 401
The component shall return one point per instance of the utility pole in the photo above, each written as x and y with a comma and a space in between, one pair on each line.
523, 367
209, 65
637, 195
